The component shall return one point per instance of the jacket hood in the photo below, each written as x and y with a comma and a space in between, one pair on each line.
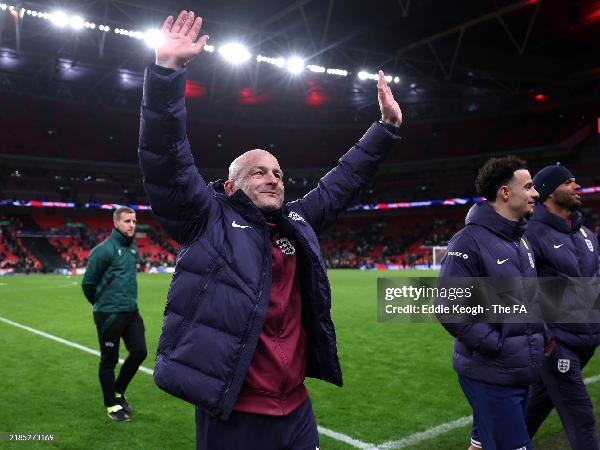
484, 215
541, 214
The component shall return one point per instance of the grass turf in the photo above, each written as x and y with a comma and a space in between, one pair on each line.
398, 378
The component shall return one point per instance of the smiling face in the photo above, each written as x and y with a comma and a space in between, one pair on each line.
566, 195
521, 195
258, 175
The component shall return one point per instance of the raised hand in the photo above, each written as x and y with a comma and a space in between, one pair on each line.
178, 45
390, 111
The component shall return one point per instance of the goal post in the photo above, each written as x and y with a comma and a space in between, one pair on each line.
438, 254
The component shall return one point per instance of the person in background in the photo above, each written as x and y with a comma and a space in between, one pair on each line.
566, 257
110, 285
496, 362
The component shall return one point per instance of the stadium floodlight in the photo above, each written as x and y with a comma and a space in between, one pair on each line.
209, 48
153, 38
314, 68
340, 72
76, 22
375, 76
3, 6
235, 53
60, 19
295, 65
279, 62
396, 79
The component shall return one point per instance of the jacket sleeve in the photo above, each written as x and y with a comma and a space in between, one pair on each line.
98, 262
461, 263
338, 188
176, 191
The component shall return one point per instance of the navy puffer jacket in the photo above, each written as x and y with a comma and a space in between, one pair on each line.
508, 354
570, 253
219, 294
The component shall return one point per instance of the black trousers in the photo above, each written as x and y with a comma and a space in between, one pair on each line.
562, 387
111, 328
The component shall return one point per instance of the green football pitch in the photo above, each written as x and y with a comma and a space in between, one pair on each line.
399, 387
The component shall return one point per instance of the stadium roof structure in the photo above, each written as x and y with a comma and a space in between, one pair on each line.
447, 59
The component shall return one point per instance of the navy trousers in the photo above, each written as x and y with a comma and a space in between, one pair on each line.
247, 431
562, 387
498, 415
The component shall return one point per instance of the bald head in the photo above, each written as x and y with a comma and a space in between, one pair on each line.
238, 164
258, 174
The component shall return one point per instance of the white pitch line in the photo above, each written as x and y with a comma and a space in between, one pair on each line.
325, 431
64, 341
347, 439
415, 438
427, 434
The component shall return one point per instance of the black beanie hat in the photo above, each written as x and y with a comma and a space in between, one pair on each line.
549, 178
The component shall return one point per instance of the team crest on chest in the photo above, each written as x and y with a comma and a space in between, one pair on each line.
590, 245
564, 365
286, 246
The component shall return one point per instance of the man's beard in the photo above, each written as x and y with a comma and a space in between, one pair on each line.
566, 200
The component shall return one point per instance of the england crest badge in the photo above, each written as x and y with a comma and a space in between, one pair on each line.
564, 365
589, 245
286, 246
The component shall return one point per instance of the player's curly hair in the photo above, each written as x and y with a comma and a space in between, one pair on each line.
495, 173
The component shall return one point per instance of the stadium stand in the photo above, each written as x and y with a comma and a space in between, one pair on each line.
71, 153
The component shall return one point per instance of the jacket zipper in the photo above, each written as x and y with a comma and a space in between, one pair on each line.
527, 325
245, 340
192, 311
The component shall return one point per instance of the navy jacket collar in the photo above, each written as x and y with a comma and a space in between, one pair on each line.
484, 215
558, 223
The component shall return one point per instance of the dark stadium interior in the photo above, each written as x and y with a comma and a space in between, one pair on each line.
475, 79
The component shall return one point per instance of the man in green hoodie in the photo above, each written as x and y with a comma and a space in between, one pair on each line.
110, 285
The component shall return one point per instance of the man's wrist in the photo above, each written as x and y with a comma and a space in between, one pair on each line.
388, 126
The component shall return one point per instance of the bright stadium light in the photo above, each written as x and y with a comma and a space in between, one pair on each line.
375, 76
59, 19
76, 22
153, 38
295, 65
396, 79
317, 69
209, 48
235, 53
279, 62
367, 76
340, 72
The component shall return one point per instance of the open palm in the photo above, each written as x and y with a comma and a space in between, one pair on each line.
178, 45
390, 110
